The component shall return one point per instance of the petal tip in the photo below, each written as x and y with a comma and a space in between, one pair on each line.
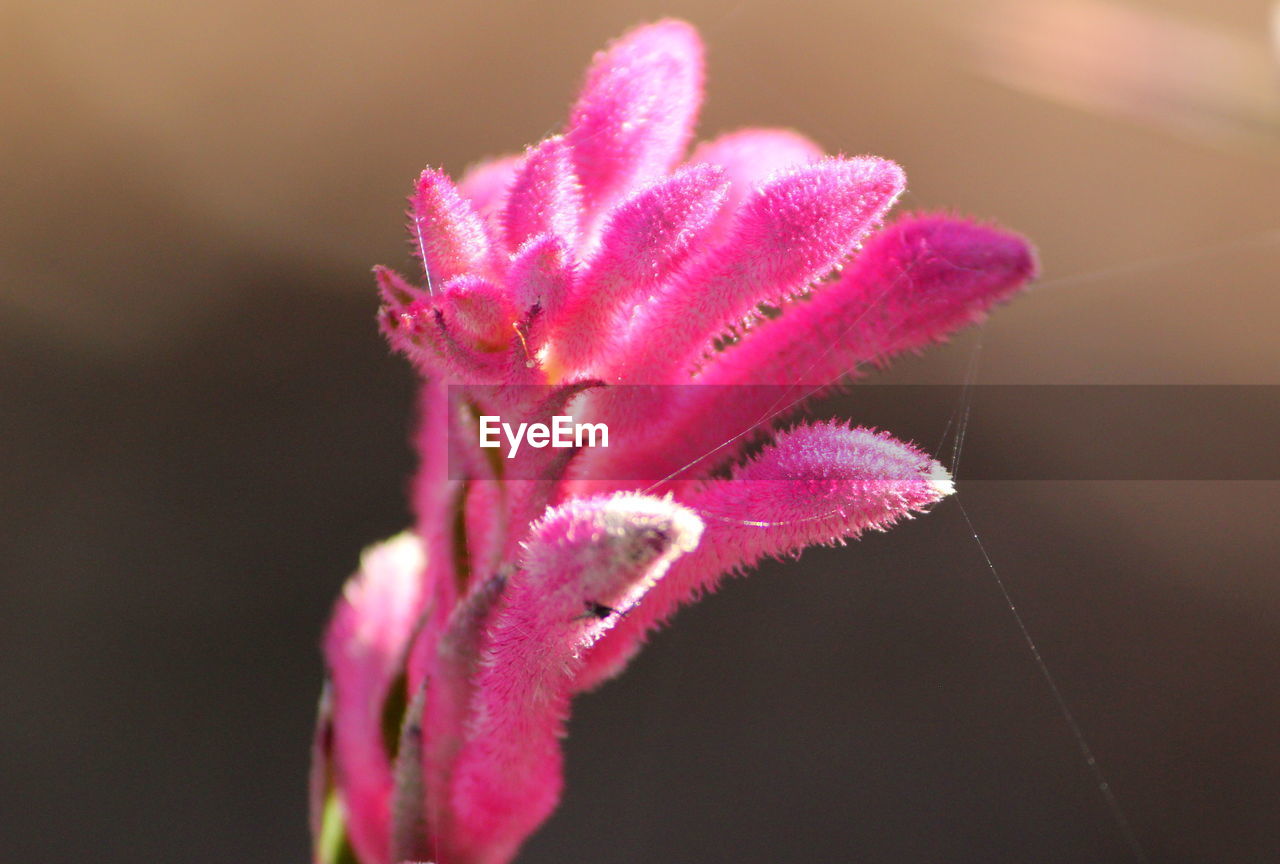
940, 480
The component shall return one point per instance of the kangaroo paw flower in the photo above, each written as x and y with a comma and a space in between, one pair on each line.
627, 317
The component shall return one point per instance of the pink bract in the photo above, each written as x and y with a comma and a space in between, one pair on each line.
605, 257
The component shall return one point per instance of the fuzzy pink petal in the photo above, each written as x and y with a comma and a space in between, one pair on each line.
792, 231
917, 281
487, 183
448, 665
914, 283
435, 494
823, 483
749, 157
365, 652
544, 197
541, 275
645, 241
402, 303
444, 230
584, 557
636, 112
478, 313
395, 291
467, 332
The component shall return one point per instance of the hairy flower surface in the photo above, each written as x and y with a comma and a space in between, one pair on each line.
609, 274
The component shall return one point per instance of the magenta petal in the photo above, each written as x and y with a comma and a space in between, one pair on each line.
749, 157
365, 652
544, 197
444, 230
635, 114
929, 274
645, 240
823, 483
789, 233
540, 276
397, 293
478, 313
486, 184
449, 665
583, 567
467, 332
914, 283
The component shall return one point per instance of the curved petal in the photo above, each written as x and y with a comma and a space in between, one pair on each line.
365, 649
487, 183
583, 567
749, 157
791, 231
636, 112
544, 196
645, 240
444, 231
823, 483
916, 282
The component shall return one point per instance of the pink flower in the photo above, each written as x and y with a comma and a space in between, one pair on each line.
601, 258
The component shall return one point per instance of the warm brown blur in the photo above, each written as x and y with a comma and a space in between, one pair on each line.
199, 428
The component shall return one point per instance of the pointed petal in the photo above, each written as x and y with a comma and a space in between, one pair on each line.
913, 283
790, 232
395, 291
650, 235
487, 183
645, 241
584, 561
466, 333
401, 304
444, 230
931, 274
636, 112
450, 665
365, 652
540, 276
478, 313
545, 197
749, 157
815, 484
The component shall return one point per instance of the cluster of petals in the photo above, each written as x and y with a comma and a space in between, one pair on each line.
613, 272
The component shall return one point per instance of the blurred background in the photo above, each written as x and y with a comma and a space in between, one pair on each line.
200, 428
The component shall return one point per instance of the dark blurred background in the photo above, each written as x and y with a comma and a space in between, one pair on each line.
200, 429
